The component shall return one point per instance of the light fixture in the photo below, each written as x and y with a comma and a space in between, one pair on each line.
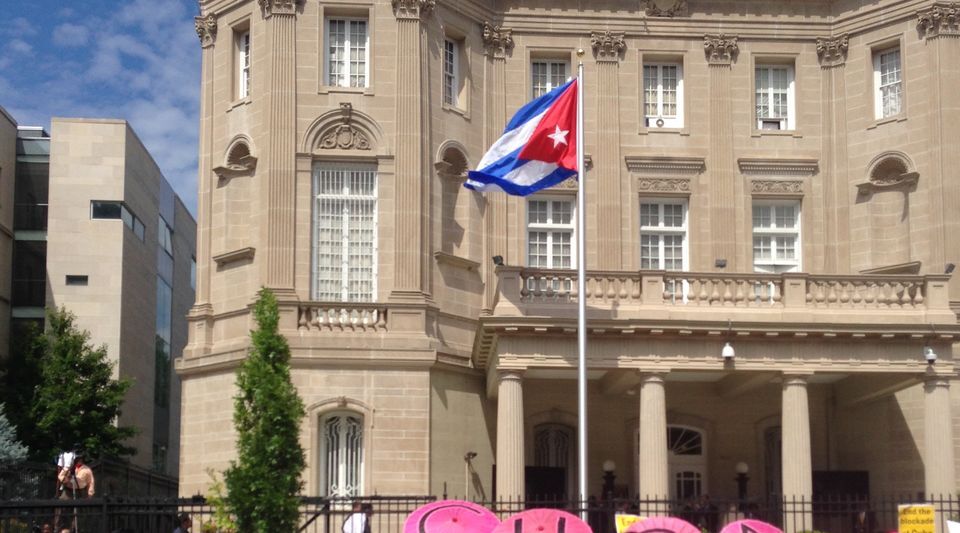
609, 466
498, 260
949, 268
742, 468
728, 352
720, 263
469, 456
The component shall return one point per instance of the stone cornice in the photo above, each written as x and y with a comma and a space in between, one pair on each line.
777, 167
233, 256
678, 8
206, 29
720, 49
832, 51
278, 7
669, 166
607, 46
497, 40
942, 18
413, 9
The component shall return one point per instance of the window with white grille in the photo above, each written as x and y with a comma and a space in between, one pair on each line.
663, 234
776, 236
774, 97
887, 83
345, 232
550, 233
663, 95
348, 52
548, 75
341, 455
243, 64
451, 72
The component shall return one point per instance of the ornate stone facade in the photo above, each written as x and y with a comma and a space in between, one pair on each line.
413, 9
497, 40
278, 7
206, 29
832, 51
940, 19
666, 8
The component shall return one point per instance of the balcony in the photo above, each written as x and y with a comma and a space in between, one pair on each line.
711, 296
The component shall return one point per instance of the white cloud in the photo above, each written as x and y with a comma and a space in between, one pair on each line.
68, 34
21, 27
20, 46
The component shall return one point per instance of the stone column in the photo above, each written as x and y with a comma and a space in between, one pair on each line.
279, 161
610, 232
938, 464
497, 45
200, 315
654, 482
939, 26
411, 270
510, 456
796, 461
724, 182
832, 54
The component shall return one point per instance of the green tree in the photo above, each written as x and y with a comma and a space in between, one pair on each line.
263, 484
10, 448
21, 376
78, 401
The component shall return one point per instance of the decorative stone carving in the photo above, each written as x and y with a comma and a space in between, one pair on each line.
664, 185
607, 46
778, 167
345, 136
413, 9
832, 51
778, 187
666, 8
720, 49
497, 40
940, 19
665, 166
206, 29
889, 171
239, 162
278, 7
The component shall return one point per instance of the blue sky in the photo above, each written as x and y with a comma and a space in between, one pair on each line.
137, 60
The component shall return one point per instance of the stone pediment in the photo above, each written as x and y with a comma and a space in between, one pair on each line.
344, 129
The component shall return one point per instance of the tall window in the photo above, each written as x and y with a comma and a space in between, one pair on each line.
451, 72
776, 236
774, 97
550, 233
548, 75
663, 234
345, 232
341, 455
347, 47
887, 83
243, 64
663, 95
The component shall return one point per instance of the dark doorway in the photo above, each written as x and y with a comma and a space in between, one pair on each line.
546, 484
841, 483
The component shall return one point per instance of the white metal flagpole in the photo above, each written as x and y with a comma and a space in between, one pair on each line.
581, 300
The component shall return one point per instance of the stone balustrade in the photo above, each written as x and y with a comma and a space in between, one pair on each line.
342, 317
524, 290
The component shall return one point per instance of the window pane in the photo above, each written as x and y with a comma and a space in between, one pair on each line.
537, 249
649, 214
337, 39
358, 53
761, 248
106, 210
562, 212
537, 210
673, 215
669, 88
650, 93
650, 252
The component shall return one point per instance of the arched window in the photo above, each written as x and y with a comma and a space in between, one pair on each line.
341, 454
552, 445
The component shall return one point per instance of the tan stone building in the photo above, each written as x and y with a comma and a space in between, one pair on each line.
98, 230
772, 197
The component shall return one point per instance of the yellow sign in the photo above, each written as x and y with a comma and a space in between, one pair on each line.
916, 519
625, 520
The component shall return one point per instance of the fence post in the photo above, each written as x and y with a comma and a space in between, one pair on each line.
104, 514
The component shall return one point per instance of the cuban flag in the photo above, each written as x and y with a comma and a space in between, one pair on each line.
538, 148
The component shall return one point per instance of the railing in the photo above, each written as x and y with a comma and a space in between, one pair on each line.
335, 317
606, 289
858, 514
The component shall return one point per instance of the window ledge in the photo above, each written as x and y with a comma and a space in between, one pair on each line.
777, 133
456, 261
336, 89
889, 120
241, 254
675, 131
457, 110
237, 103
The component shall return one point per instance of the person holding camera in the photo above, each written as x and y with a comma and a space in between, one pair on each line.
75, 480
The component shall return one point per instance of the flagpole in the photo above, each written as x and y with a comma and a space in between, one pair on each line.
581, 299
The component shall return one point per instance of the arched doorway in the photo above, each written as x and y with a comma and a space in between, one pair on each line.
554, 456
686, 462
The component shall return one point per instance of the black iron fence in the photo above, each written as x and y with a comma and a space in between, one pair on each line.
323, 515
37, 481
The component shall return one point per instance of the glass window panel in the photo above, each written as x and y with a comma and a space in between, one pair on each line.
105, 210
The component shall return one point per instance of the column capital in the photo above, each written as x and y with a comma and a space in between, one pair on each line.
278, 7
497, 40
796, 379
942, 18
413, 9
720, 49
509, 375
607, 46
659, 377
832, 51
932, 381
206, 29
